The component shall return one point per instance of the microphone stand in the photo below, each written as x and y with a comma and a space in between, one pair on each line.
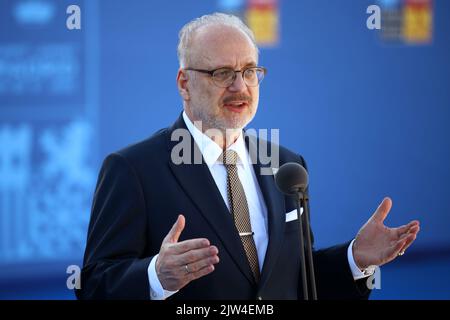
302, 201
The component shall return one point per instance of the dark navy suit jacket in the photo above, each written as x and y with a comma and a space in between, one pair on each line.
139, 194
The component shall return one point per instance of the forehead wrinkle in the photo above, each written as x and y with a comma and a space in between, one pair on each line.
205, 61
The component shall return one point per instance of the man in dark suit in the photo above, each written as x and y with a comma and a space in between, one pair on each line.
201, 218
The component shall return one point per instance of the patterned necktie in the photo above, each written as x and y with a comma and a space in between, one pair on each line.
239, 209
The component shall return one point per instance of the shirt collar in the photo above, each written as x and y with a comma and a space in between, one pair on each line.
211, 150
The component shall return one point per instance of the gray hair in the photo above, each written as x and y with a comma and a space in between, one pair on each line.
189, 29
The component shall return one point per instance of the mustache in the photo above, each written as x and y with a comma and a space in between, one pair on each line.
238, 97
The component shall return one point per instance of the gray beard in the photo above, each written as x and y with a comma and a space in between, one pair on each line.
211, 122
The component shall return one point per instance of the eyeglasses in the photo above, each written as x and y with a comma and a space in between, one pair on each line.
224, 77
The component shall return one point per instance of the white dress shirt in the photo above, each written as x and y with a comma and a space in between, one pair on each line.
257, 207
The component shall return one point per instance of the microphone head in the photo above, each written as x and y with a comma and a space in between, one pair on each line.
291, 178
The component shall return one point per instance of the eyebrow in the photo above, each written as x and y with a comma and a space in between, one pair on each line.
249, 64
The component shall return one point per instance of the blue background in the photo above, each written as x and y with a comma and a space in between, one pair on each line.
371, 119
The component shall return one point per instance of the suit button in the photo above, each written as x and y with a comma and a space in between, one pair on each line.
259, 298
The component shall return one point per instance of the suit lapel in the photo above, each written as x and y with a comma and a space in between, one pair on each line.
198, 183
275, 211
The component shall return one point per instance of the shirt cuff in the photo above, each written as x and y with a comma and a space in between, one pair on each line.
356, 272
157, 292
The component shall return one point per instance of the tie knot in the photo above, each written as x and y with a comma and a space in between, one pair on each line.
229, 157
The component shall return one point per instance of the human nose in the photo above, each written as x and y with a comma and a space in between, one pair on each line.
238, 84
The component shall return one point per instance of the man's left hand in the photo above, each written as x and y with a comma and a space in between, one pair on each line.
376, 244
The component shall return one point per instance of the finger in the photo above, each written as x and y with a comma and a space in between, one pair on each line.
202, 272
175, 231
408, 243
400, 244
405, 228
396, 248
413, 230
200, 264
192, 256
411, 238
382, 211
188, 245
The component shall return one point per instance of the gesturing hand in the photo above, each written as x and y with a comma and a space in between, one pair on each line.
179, 263
377, 244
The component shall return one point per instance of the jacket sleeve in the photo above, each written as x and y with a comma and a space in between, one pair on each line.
115, 265
334, 278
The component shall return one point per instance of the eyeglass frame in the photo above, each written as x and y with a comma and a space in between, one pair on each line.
243, 70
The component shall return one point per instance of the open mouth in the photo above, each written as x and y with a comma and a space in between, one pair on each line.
237, 106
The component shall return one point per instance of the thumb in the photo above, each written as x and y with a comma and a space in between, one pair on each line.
175, 231
382, 211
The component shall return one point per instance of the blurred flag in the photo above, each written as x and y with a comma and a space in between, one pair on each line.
407, 21
262, 16
417, 21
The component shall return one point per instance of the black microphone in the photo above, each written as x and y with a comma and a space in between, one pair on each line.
292, 179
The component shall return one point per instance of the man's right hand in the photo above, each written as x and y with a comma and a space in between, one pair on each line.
179, 263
